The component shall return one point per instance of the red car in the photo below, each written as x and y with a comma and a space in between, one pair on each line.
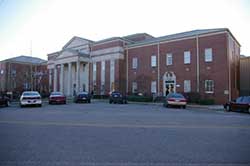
240, 104
57, 98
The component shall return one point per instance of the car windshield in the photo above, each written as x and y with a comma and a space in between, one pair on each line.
239, 99
56, 93
30, 93
246, 99
175, 95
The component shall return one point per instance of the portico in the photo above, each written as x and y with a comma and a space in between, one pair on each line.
70, 68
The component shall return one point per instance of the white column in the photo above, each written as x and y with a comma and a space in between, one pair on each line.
55, 79
69, 79
77, 76
50, 79
61, 78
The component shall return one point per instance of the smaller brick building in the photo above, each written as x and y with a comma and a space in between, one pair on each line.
23, 73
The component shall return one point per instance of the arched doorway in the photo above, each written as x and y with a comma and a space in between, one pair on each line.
169, 83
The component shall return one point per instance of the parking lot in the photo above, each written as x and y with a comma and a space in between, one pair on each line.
122, 134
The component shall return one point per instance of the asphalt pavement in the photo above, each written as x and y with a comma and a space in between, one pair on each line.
111, 134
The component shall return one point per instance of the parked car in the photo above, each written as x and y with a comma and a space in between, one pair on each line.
82, 97
240, 104
117, 97
4, 100
175, 99
57, 98
30, 98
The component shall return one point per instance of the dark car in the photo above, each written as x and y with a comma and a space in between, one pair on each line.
175, 99
4, 100
82, 97
241, 104
57, 98
117, 97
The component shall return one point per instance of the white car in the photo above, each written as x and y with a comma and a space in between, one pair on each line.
30, 98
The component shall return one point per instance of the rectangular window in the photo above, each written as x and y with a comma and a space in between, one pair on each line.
135, 63
187, 86
208, 55
153, 87
153, 61
209, 86
134, 87
187, 57
169, 59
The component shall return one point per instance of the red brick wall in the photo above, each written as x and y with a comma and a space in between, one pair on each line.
144, 73
216, 70
182, 71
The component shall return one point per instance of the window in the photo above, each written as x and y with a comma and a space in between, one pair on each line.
153, 87
134, 87
187, 57
208, 55
153, 61
169, 59
135, 63
187, 86
209, 86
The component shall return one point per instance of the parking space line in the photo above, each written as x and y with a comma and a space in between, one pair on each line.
103, 125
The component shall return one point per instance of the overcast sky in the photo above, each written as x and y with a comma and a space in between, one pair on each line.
47, 25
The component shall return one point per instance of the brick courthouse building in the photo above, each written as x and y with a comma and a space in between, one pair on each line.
205, 62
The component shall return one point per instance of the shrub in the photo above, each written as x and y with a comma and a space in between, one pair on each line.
193, 97
140, 98
206, 102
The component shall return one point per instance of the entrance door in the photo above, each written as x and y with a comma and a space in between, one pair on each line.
169, 83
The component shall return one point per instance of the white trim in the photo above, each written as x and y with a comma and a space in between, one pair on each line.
106, 51
108, 57
158, 69
197, 64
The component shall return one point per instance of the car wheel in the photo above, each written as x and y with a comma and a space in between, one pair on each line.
40, 105
184, 107
89, 101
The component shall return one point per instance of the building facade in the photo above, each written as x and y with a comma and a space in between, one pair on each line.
245, 76
205, 62
23, 73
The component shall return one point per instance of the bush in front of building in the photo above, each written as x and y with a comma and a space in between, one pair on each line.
138, 98
206, 101
193, 97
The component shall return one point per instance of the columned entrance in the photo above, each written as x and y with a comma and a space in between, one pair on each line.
169, 83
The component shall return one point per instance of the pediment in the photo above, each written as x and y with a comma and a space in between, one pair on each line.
67, 53
76, 42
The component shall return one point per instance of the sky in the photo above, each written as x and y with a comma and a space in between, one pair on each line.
39, 27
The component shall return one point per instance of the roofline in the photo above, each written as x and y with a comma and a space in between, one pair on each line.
110, 40
159, 40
